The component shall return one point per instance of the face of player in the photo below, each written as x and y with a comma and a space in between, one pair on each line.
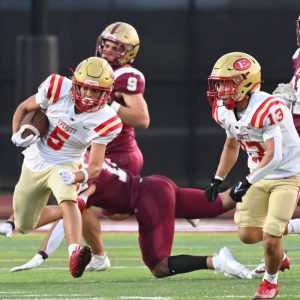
111, 51
89, 96
227, 92
224, 88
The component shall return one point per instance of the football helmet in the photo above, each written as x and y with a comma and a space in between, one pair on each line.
127, 39
298, 31
94, 73
239, 72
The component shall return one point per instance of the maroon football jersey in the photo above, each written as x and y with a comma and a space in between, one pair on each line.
156, 201
130, 81
116, 190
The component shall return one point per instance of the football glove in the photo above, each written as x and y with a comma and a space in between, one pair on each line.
23, 142
67, 176
239, 190
285, 91
213, 190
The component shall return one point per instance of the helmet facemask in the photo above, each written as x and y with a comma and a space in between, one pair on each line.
86, 103
228, 92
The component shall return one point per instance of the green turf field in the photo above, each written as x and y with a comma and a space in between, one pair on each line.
129, 279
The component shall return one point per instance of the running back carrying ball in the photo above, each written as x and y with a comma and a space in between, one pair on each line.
36, 123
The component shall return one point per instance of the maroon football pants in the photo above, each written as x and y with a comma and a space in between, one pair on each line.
159, 203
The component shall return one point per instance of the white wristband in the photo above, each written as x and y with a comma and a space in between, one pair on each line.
115, 106
85, 174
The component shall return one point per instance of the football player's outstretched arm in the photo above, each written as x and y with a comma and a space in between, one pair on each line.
228, 159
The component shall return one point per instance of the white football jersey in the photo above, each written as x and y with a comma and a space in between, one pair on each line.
265, 117
69, 133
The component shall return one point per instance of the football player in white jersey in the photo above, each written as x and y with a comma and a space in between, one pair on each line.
78, 118
290, 93
119, 44
262, 125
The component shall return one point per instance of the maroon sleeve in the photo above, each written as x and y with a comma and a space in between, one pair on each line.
130, 83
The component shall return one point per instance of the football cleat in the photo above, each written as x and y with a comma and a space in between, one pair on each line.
79, 260
266, 290
259, 271
35, 262
98, 263
194, 222
230, 266
6, 229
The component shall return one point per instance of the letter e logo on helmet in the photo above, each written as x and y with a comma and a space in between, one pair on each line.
242, 64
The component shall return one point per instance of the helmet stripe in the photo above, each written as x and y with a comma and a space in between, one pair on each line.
115, 28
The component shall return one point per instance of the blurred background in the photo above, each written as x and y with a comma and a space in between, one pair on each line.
180, 42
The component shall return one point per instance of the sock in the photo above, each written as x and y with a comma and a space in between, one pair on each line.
294, 226
56, 237
186, 263
12, 223
43, 254
71, 248
271, 278
216, 263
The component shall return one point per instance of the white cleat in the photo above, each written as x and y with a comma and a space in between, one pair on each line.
259, 271
6, 229
194, 222
35, 262
98, 263
230, 266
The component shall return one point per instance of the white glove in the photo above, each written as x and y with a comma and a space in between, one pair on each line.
285, 91
23, 142
35, 262
67, 176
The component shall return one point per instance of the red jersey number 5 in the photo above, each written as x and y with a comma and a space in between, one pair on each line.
57, 138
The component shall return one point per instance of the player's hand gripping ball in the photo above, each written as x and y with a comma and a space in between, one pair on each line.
34, 125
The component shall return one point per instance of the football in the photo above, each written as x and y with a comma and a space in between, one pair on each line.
36, 123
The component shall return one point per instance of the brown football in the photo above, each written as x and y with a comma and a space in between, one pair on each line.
37, 122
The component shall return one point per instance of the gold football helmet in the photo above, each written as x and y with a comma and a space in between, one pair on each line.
298, 31
127, 39
96, 74
240, 72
